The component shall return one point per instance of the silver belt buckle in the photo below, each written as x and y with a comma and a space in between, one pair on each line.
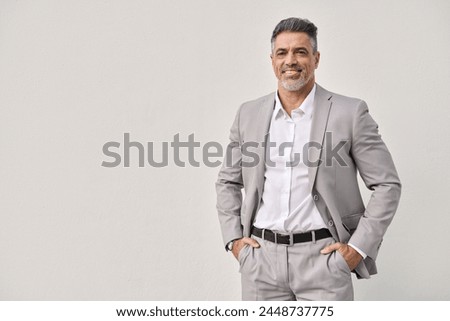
291, 239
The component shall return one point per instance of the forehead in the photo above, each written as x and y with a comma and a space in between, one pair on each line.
292, 39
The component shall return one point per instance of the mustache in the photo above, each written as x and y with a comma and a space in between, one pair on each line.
291, 68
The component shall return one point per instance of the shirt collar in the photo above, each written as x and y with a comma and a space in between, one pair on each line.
306, 106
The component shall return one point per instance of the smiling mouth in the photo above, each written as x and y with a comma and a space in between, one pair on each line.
291, 71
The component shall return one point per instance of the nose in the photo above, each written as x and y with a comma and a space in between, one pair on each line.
290, 59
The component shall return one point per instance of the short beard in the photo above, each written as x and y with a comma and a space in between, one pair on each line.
295, 85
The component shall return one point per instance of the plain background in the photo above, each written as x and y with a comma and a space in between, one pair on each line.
77, 74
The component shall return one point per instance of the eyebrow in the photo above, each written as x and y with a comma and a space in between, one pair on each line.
296, 48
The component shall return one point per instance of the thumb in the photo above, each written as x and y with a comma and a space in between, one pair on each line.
252, 242
331, 248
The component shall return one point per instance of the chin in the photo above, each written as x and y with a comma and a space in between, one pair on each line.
293, 86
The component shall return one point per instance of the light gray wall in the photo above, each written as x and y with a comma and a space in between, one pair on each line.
77, 74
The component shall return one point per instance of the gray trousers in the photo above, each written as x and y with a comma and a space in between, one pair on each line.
277, 272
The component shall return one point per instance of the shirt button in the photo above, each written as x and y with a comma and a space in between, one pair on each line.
330, 223
316, 197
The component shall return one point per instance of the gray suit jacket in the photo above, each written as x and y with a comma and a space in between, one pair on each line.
337, 121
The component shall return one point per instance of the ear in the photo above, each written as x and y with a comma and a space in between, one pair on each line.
317, 59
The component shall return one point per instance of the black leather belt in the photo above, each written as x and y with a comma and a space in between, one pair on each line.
287, 239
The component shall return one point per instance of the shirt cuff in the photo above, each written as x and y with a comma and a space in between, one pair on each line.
364, 255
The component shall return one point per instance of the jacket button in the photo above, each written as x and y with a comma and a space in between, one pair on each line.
330, 223
316, 197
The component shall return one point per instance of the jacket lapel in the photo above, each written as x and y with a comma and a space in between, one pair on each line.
321, 110
263, 120
322, 105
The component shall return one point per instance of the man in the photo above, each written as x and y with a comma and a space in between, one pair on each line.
302, 227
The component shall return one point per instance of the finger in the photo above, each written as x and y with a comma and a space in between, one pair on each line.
251, 242
331, 248
236, 249
237, 245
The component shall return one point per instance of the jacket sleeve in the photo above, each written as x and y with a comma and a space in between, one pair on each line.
377, 170
228, 187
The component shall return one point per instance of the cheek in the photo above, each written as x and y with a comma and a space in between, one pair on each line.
311, 66
277, 69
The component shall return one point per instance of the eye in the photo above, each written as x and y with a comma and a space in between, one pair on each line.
281, 53
301, 52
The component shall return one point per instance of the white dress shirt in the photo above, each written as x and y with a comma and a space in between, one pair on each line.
287, 204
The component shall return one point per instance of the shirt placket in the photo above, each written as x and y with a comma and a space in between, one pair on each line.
287, 169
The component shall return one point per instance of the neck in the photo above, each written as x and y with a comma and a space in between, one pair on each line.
292, 99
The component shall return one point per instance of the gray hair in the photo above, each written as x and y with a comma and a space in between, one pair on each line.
296, 25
